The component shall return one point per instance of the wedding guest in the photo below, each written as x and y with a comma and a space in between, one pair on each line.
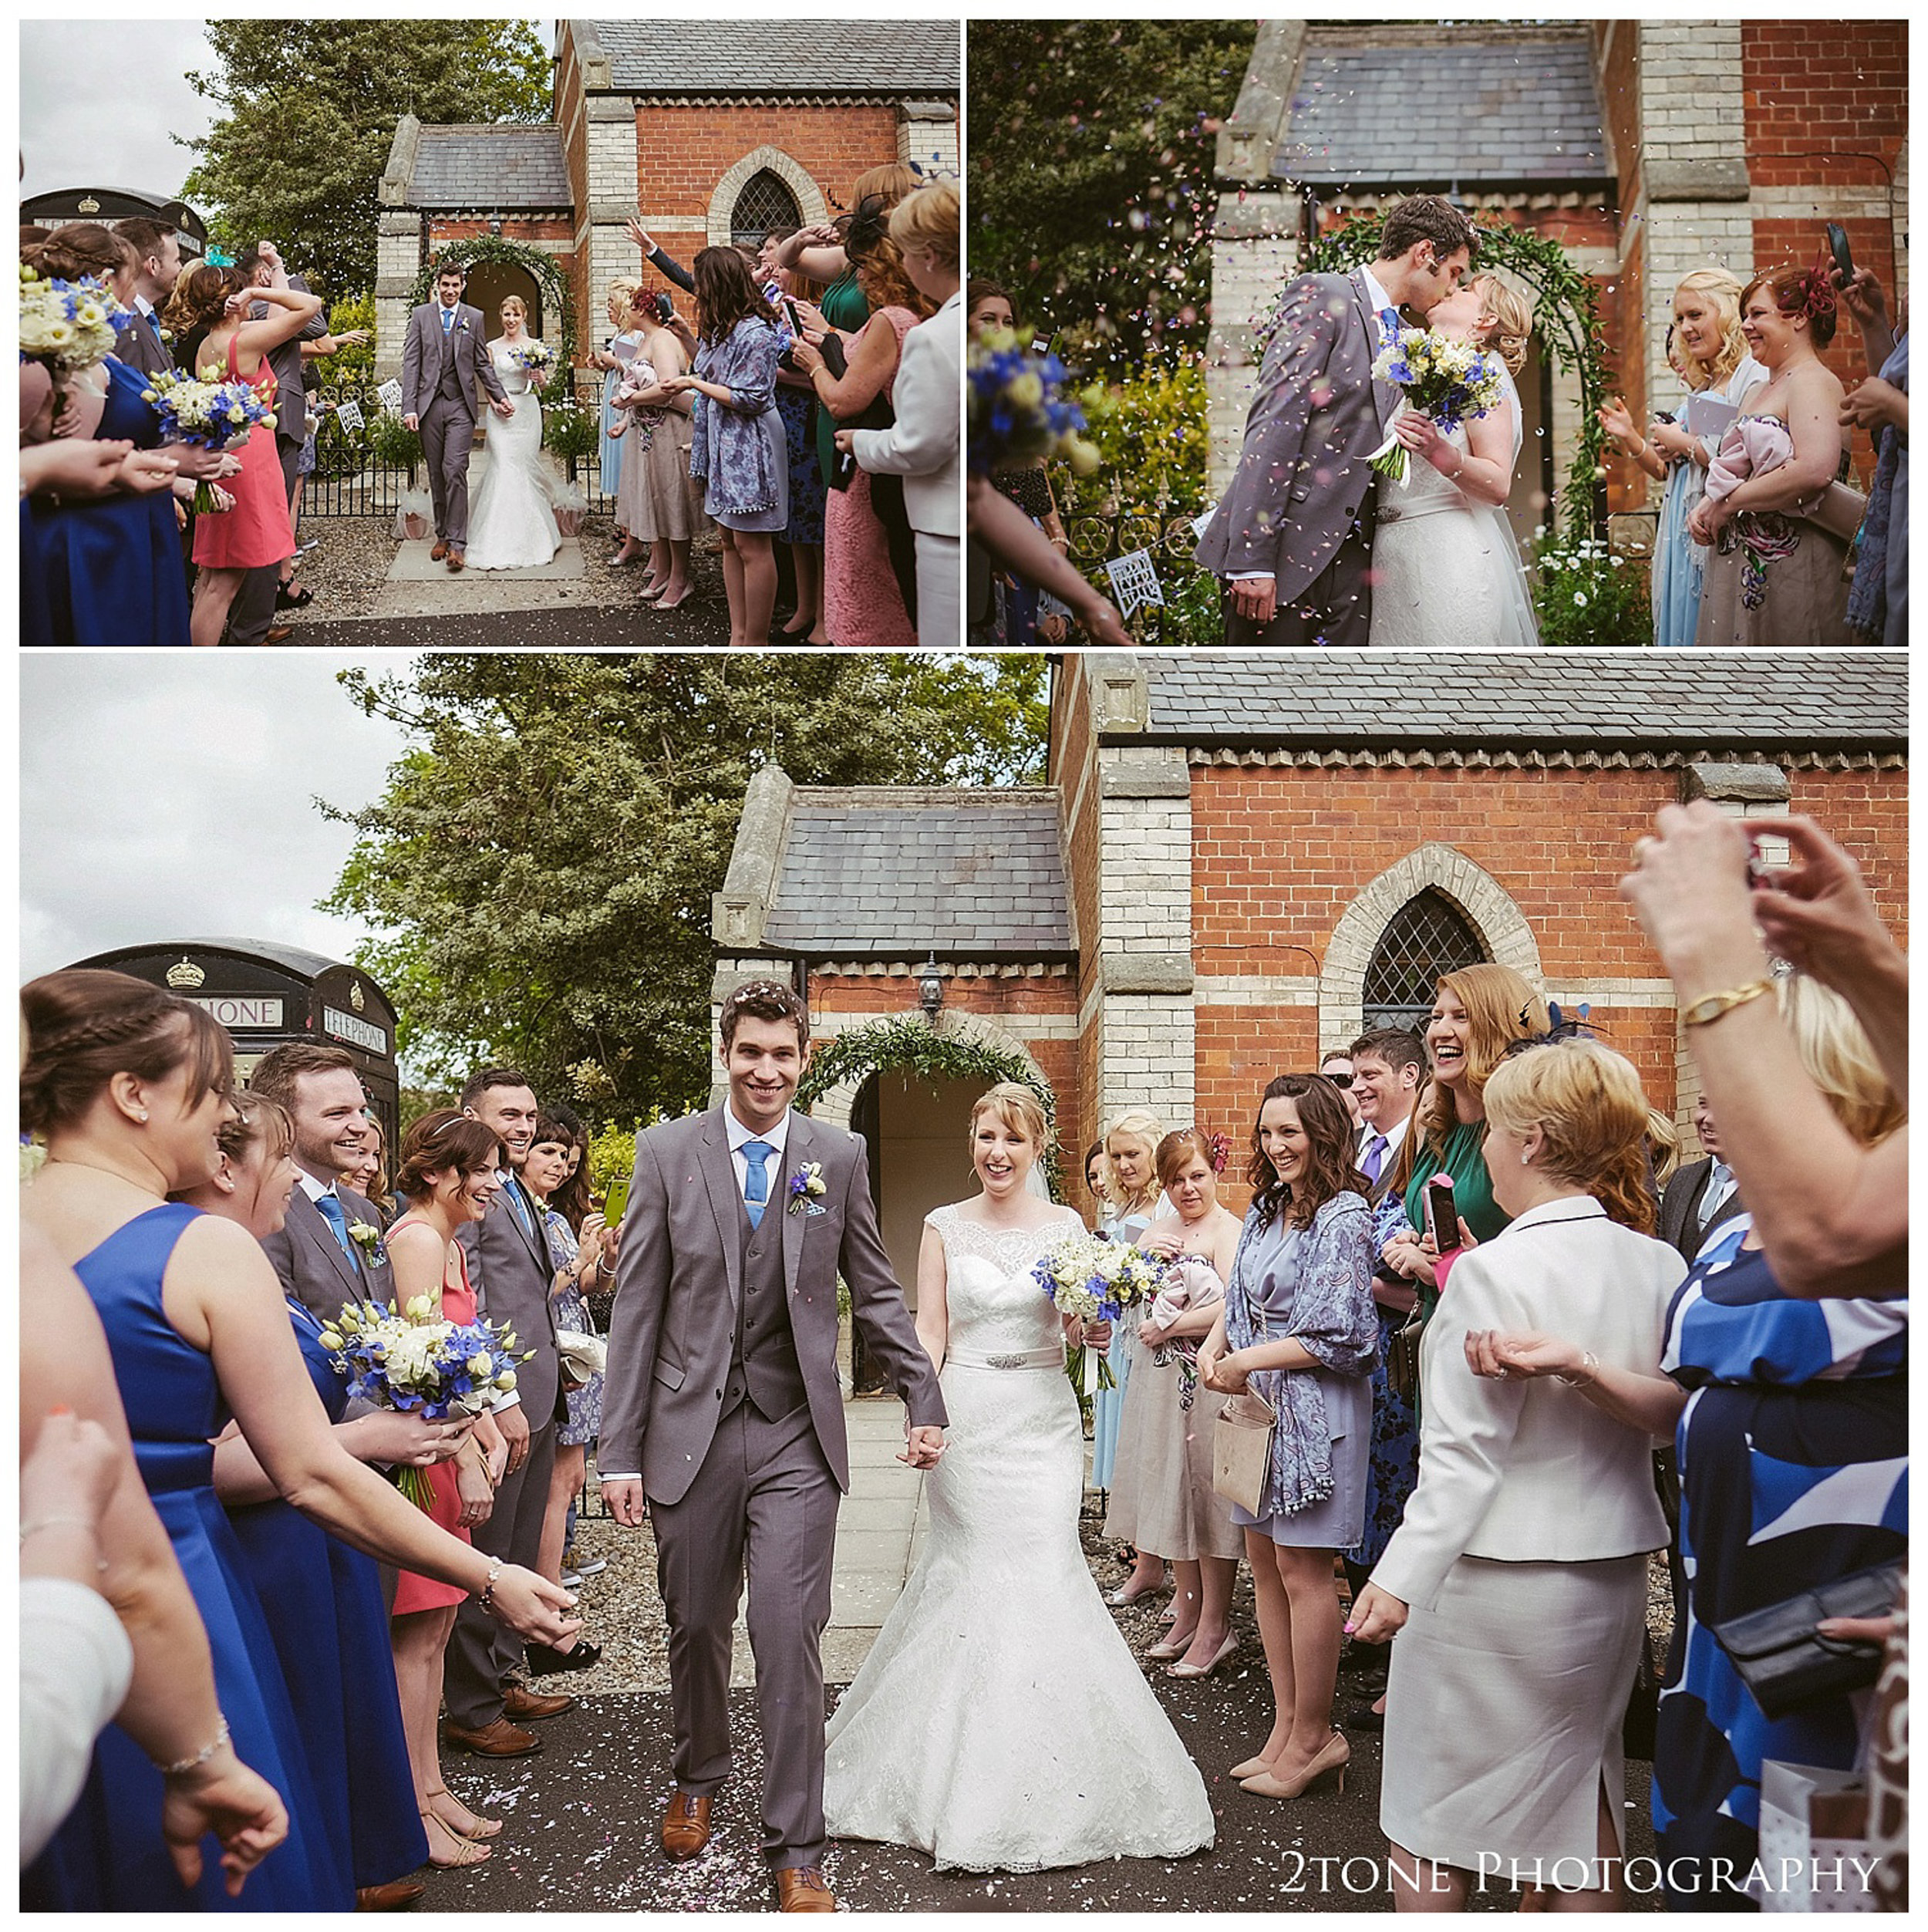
869, 554
921, 445
1517, 1583
129, 1085
659, 503
289, 595
369, 1177
623, 332
1297, 1330
1700, 1193
1337, 1068
448, 1178
141, 345
1132, 1201
221, 342
168, 1709
1878, 603
1010, 541
1162, 1494
737, 449
323, 1600
1774, 576
804, 532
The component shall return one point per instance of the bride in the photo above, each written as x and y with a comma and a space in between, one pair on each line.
999, 1722
1446, 569
512, 526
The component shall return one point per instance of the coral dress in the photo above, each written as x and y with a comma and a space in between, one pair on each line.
258, 530
417, 1592
863, 606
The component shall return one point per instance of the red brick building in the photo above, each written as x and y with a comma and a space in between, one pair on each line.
1239, 862
713, 131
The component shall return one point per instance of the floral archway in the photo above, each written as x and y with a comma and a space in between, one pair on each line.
1567, 314
537, 262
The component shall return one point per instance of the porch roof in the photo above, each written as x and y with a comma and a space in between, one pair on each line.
479, 166
795, 56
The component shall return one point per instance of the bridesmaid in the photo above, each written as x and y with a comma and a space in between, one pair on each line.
323, 1600
130, 1087
609, 451
661, 504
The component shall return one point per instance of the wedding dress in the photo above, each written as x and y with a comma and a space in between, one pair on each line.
999, 1722
511, 525
1446, 570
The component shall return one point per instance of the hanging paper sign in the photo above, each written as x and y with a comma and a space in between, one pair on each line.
1134, 582
1198, 523
389, 394
350, 418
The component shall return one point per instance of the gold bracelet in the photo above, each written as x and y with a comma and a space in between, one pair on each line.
1710, 1007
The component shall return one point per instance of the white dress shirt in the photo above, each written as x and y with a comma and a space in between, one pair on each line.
76, 1665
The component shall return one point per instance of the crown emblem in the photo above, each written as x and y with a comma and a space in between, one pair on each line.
88, 205
186, 976
356, 998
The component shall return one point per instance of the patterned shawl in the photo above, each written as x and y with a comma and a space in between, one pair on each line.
729, 448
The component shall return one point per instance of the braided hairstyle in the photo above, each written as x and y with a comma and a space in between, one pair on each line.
84, 1026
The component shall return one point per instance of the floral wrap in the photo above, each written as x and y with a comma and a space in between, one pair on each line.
728, 451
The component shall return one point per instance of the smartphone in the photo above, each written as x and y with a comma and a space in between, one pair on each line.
666, 305
1442, 1216
796, 318
1838, 247
615, 1200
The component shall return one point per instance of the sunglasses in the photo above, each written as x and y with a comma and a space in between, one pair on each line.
1338, 1080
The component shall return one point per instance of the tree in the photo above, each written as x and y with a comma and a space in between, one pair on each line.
1090, 175
537, 875
310, 109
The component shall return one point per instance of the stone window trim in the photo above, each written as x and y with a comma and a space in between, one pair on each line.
791, 172
1484, 903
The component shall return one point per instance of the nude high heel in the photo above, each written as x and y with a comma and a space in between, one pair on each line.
1335, 1756
1249, 1768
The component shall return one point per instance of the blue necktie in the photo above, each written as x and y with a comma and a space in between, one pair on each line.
1375, 1158
755, 1179
1389, 327
521, 1208
448, 320
153, 329
336, 1216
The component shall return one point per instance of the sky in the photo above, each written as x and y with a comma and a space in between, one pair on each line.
179, 803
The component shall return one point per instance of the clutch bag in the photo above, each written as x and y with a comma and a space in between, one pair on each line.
583, 1355
1786, 1663
1242, 1450
1838, 510
1402, 1359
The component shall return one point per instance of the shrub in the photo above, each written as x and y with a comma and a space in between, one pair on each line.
573, 432
391, 445
1586, 593
352, 368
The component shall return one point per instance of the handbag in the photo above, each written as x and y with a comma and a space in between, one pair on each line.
583, 1356
1242, 1450
1838, 510
1640, 1727
1786, 1663
1402, 1359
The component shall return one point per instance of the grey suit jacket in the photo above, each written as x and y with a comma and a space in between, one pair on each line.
311, 1264
678, 1281
139, 346
511, 1271
291, 394
1680, 1207
425, 347
1317, 415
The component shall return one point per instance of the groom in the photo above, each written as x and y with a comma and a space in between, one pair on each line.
722, 1414
1293, 535
443, 359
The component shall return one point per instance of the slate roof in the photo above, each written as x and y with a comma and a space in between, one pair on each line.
1467, 112
478, 166
796, 56
972, 875
1576, 698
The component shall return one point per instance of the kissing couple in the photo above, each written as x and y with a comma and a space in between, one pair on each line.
1312, 545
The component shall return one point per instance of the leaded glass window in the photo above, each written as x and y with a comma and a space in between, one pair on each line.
765, 202
1427, 936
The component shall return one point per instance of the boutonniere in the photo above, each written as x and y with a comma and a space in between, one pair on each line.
806, 1188
368, 1239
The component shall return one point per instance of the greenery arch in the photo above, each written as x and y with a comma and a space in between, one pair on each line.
539, 263
907, 1043
1567, 315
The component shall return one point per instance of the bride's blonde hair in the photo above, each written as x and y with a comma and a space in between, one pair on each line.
1512, 314
1017, 1110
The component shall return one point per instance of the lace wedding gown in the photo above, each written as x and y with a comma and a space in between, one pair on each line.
511, 525
999, 1722
1446, 570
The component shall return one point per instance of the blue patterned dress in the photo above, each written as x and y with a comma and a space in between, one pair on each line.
572, 1312
1793, 1450
1392, 1469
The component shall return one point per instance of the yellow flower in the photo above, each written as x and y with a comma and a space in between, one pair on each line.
1083, 457
506, 1380
331, 1341
479, 1364
1027, 391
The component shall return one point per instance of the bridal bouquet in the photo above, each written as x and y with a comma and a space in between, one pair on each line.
422, 1362
68, 325
1097, 1280
534, 359
209, 416
1020, 416
1445, 380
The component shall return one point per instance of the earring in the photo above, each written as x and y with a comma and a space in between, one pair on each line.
1526, 1160
142, 1117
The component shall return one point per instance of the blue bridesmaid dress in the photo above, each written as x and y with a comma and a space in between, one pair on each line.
109, 1856
112, 569
330, 1625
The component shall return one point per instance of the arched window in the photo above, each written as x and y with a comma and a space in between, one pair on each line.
765, 202
1428, 935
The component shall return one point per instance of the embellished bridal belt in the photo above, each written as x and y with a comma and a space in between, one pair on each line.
1430, 507
1023, 1358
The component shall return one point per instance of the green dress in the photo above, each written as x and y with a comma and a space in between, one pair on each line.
846, 310
1465, 1160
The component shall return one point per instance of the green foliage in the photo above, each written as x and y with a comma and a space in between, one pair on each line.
1585, 593
612, 1155
907, 1042
555, 298
1090, 175
1566, 311
573, 432
353, 367
537, 876
306, 113
392, 444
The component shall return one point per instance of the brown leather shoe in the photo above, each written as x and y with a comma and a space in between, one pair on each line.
395, 1898
686, 1827
455, 561
278, 633
440, 550
800, 1888
522, 1704
500, 1739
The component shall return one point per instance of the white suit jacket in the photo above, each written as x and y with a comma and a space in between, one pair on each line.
922, 445
1530, 1470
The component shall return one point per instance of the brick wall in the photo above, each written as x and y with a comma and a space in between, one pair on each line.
1073, 769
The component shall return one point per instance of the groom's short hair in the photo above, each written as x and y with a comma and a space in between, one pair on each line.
765, 999
1427, 217
454, 268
